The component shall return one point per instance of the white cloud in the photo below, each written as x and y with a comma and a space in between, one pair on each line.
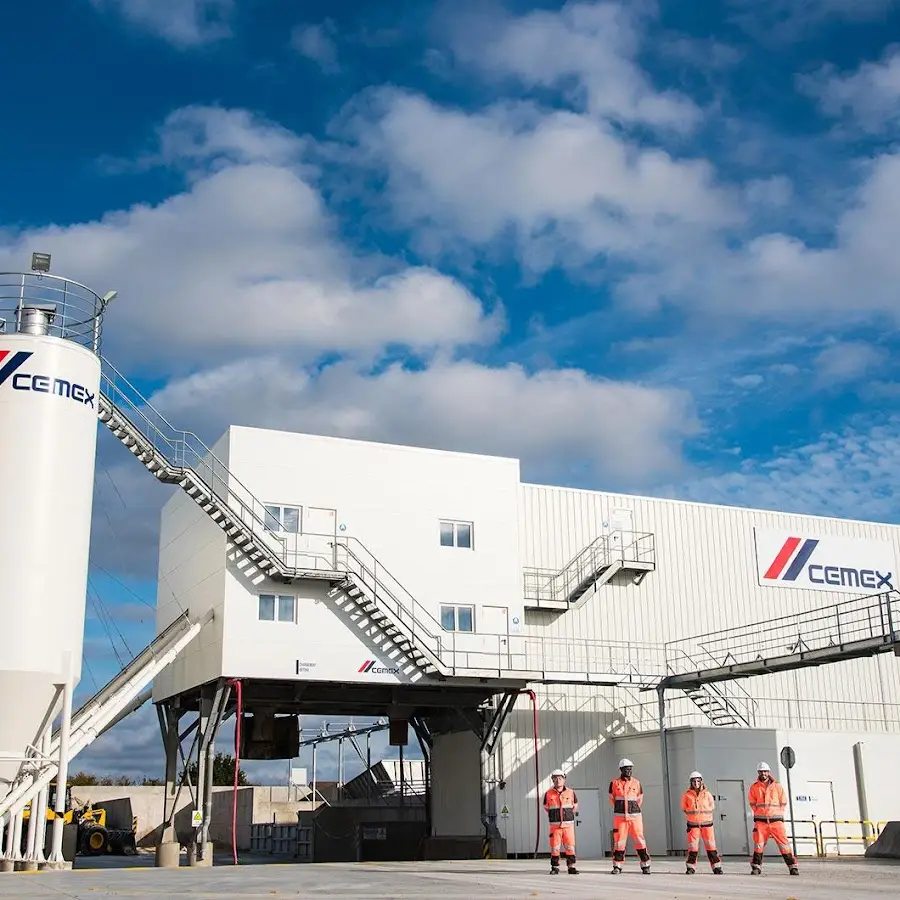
792, 19
249, 257
183, 23
317, 43
846, 361
868, 97
587, 49
557, 421
853, 473
565, 186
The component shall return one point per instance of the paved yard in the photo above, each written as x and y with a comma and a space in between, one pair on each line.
819, 880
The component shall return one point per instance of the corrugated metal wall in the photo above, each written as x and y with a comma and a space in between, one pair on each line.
705, 580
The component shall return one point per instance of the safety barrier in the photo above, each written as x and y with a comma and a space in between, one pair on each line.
861, 838
802, 839
290, 840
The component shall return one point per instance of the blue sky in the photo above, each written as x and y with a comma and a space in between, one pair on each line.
643, 246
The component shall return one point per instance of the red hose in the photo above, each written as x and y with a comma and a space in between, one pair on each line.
236, 684
537, 771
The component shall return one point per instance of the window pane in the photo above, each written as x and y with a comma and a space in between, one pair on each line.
464, 536
448, 618
446, 534
273, 518
285, 609
267, 607
291, 521
464, 618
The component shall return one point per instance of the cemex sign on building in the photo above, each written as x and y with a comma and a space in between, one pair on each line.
843, 565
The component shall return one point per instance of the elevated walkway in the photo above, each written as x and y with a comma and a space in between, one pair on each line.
852, 629
117, 699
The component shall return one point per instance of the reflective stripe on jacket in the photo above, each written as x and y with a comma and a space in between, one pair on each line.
560, 805
767, 800
626, 796
698, 806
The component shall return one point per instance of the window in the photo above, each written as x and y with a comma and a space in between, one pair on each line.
277, 607
456, 534
283, 518
457, 618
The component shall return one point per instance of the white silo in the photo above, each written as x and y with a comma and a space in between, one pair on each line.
49, 389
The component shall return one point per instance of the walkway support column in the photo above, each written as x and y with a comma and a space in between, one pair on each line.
664, 760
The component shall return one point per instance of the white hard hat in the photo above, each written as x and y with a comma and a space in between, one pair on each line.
763, 767
696, 775
556, 772
625, 762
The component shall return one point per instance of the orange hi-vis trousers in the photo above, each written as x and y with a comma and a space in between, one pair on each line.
762, 831
622, 827
562, 841
694, 835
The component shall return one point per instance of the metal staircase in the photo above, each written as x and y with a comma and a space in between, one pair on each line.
591, 568
723, 704
108, 706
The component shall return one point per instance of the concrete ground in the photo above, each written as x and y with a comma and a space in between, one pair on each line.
254, 880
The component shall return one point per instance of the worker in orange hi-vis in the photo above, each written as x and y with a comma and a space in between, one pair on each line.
561, 804
697, 804
626, 797
768, 801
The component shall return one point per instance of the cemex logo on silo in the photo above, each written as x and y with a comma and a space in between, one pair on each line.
12, 361
370, 667
828, 569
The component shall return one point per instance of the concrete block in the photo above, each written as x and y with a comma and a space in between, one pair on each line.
26, 865
168, 855
7, 865
888, 844
207, 860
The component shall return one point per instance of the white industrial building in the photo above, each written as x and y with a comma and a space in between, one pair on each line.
357, 577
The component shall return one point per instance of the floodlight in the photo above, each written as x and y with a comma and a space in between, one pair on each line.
109, 297
40, 262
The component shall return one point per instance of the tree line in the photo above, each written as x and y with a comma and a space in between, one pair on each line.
223, 776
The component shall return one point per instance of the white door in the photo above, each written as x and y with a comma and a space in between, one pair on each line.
588, 830
732, 833
320, 528
493, 623
621, 526
814, 800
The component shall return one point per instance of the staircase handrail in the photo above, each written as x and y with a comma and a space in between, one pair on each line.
422, 619
721, 690
595, 555
117, 386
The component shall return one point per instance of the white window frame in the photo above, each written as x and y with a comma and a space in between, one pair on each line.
455, 524
456, 607
281, 507
277, 608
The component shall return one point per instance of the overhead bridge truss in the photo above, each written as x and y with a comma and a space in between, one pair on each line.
853, 629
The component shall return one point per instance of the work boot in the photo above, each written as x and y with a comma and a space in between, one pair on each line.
554, 870
616, 869
794, 870
690, 870
573, 871
756, 870
645, 870
717, 870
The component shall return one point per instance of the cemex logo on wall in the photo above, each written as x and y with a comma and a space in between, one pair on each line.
370, 667
824, 564
12, 361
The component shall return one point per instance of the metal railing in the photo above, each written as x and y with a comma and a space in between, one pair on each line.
46, 304
580, 573
874, 618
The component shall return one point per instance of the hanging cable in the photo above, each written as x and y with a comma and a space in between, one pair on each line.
239, 712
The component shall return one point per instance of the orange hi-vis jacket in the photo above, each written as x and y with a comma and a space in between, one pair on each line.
767, 800
560, 805
698, 806
626, 797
